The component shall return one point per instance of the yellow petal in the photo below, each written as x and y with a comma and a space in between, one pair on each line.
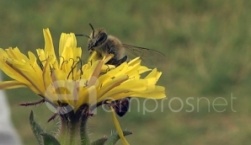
49, 47
93, 57
157, 93
110, 88
118, 128
11, 85
122, 89
68, 48
155, 75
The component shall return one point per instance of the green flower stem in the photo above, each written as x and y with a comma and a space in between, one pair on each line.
69, 134
73, 130
85, 140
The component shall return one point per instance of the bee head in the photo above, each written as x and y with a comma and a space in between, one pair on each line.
97, 38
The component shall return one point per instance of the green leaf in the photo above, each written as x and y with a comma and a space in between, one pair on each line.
49, 139
115, 137
100, 141
37, 130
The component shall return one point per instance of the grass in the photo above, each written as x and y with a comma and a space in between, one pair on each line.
207, 55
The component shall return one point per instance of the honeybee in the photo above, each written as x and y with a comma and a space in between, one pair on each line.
104, 44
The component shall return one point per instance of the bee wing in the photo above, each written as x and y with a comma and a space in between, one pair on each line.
149, 56
139, 51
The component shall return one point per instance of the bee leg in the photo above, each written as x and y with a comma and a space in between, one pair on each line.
116, 62
121, 60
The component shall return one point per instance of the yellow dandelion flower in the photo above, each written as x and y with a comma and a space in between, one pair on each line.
65, 79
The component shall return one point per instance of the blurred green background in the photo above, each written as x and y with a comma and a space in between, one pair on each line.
207, 59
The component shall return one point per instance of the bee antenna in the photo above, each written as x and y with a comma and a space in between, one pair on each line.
93, 31
83, 35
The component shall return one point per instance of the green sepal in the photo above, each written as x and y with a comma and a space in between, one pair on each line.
114, 137
100, 141
49, 139
37, 130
